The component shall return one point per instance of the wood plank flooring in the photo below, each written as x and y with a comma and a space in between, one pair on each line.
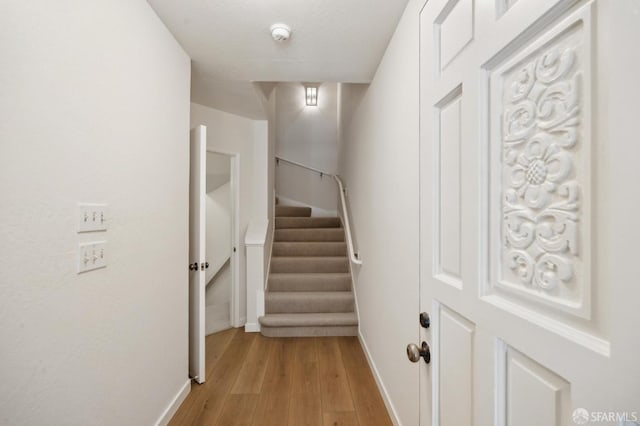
254, 380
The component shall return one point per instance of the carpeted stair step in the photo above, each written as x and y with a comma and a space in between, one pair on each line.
307, 222
309, 234
338, 281
301, 248
316, 324
295, 302
300, 264
292, 211
310, 290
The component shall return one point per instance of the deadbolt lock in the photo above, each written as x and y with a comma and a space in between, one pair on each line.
425, 321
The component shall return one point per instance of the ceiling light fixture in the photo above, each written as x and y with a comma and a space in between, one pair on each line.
311, 95
280, 32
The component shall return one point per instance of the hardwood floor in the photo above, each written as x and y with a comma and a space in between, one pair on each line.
259, 381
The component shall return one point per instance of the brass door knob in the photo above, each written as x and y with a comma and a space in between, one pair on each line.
414, 353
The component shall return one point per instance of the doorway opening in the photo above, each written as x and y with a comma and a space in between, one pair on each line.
221, 236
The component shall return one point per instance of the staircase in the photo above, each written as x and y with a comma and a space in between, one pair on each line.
309, 290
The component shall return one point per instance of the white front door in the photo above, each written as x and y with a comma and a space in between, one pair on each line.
529, 161
197, 262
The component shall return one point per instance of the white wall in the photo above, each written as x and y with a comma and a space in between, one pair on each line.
297, 186
218, 246
260, 170
94, 107
349, 97
218, 212
237, 135
217, 299
380, 168
218, 170
307, 135
267, 95
218, 232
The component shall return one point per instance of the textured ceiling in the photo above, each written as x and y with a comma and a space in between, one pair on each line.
230, 43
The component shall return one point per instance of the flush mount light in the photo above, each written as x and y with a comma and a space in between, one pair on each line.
280, 32
311, 96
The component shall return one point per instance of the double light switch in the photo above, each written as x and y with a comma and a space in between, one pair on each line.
91, 218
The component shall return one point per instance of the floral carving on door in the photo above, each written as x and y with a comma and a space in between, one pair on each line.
540, 165
541, 201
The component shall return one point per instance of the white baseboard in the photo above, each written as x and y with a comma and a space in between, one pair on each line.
383, 390
252, 327
170, 411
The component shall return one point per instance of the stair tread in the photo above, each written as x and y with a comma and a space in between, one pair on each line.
294, 275
309, 234
309, 319
305, 258
292, 211
309, 281
309, 294
309, 248
307, 222
312, 264
312, 228
308, 301
310, 243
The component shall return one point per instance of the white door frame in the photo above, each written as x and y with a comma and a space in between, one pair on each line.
234, 305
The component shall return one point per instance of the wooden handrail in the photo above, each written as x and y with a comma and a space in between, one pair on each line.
353, 255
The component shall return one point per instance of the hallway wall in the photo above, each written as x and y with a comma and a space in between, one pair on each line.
307, 135
218, 253
381, 171
218, 214
94, 107
217, 301
266, 95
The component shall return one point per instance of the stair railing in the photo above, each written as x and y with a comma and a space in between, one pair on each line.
353, 255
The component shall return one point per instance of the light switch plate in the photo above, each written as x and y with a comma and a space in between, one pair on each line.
91, 217
92, 256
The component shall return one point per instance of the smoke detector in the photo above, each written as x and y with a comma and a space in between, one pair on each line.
280, 32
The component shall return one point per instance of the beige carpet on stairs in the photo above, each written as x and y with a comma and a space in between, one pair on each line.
309, 290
